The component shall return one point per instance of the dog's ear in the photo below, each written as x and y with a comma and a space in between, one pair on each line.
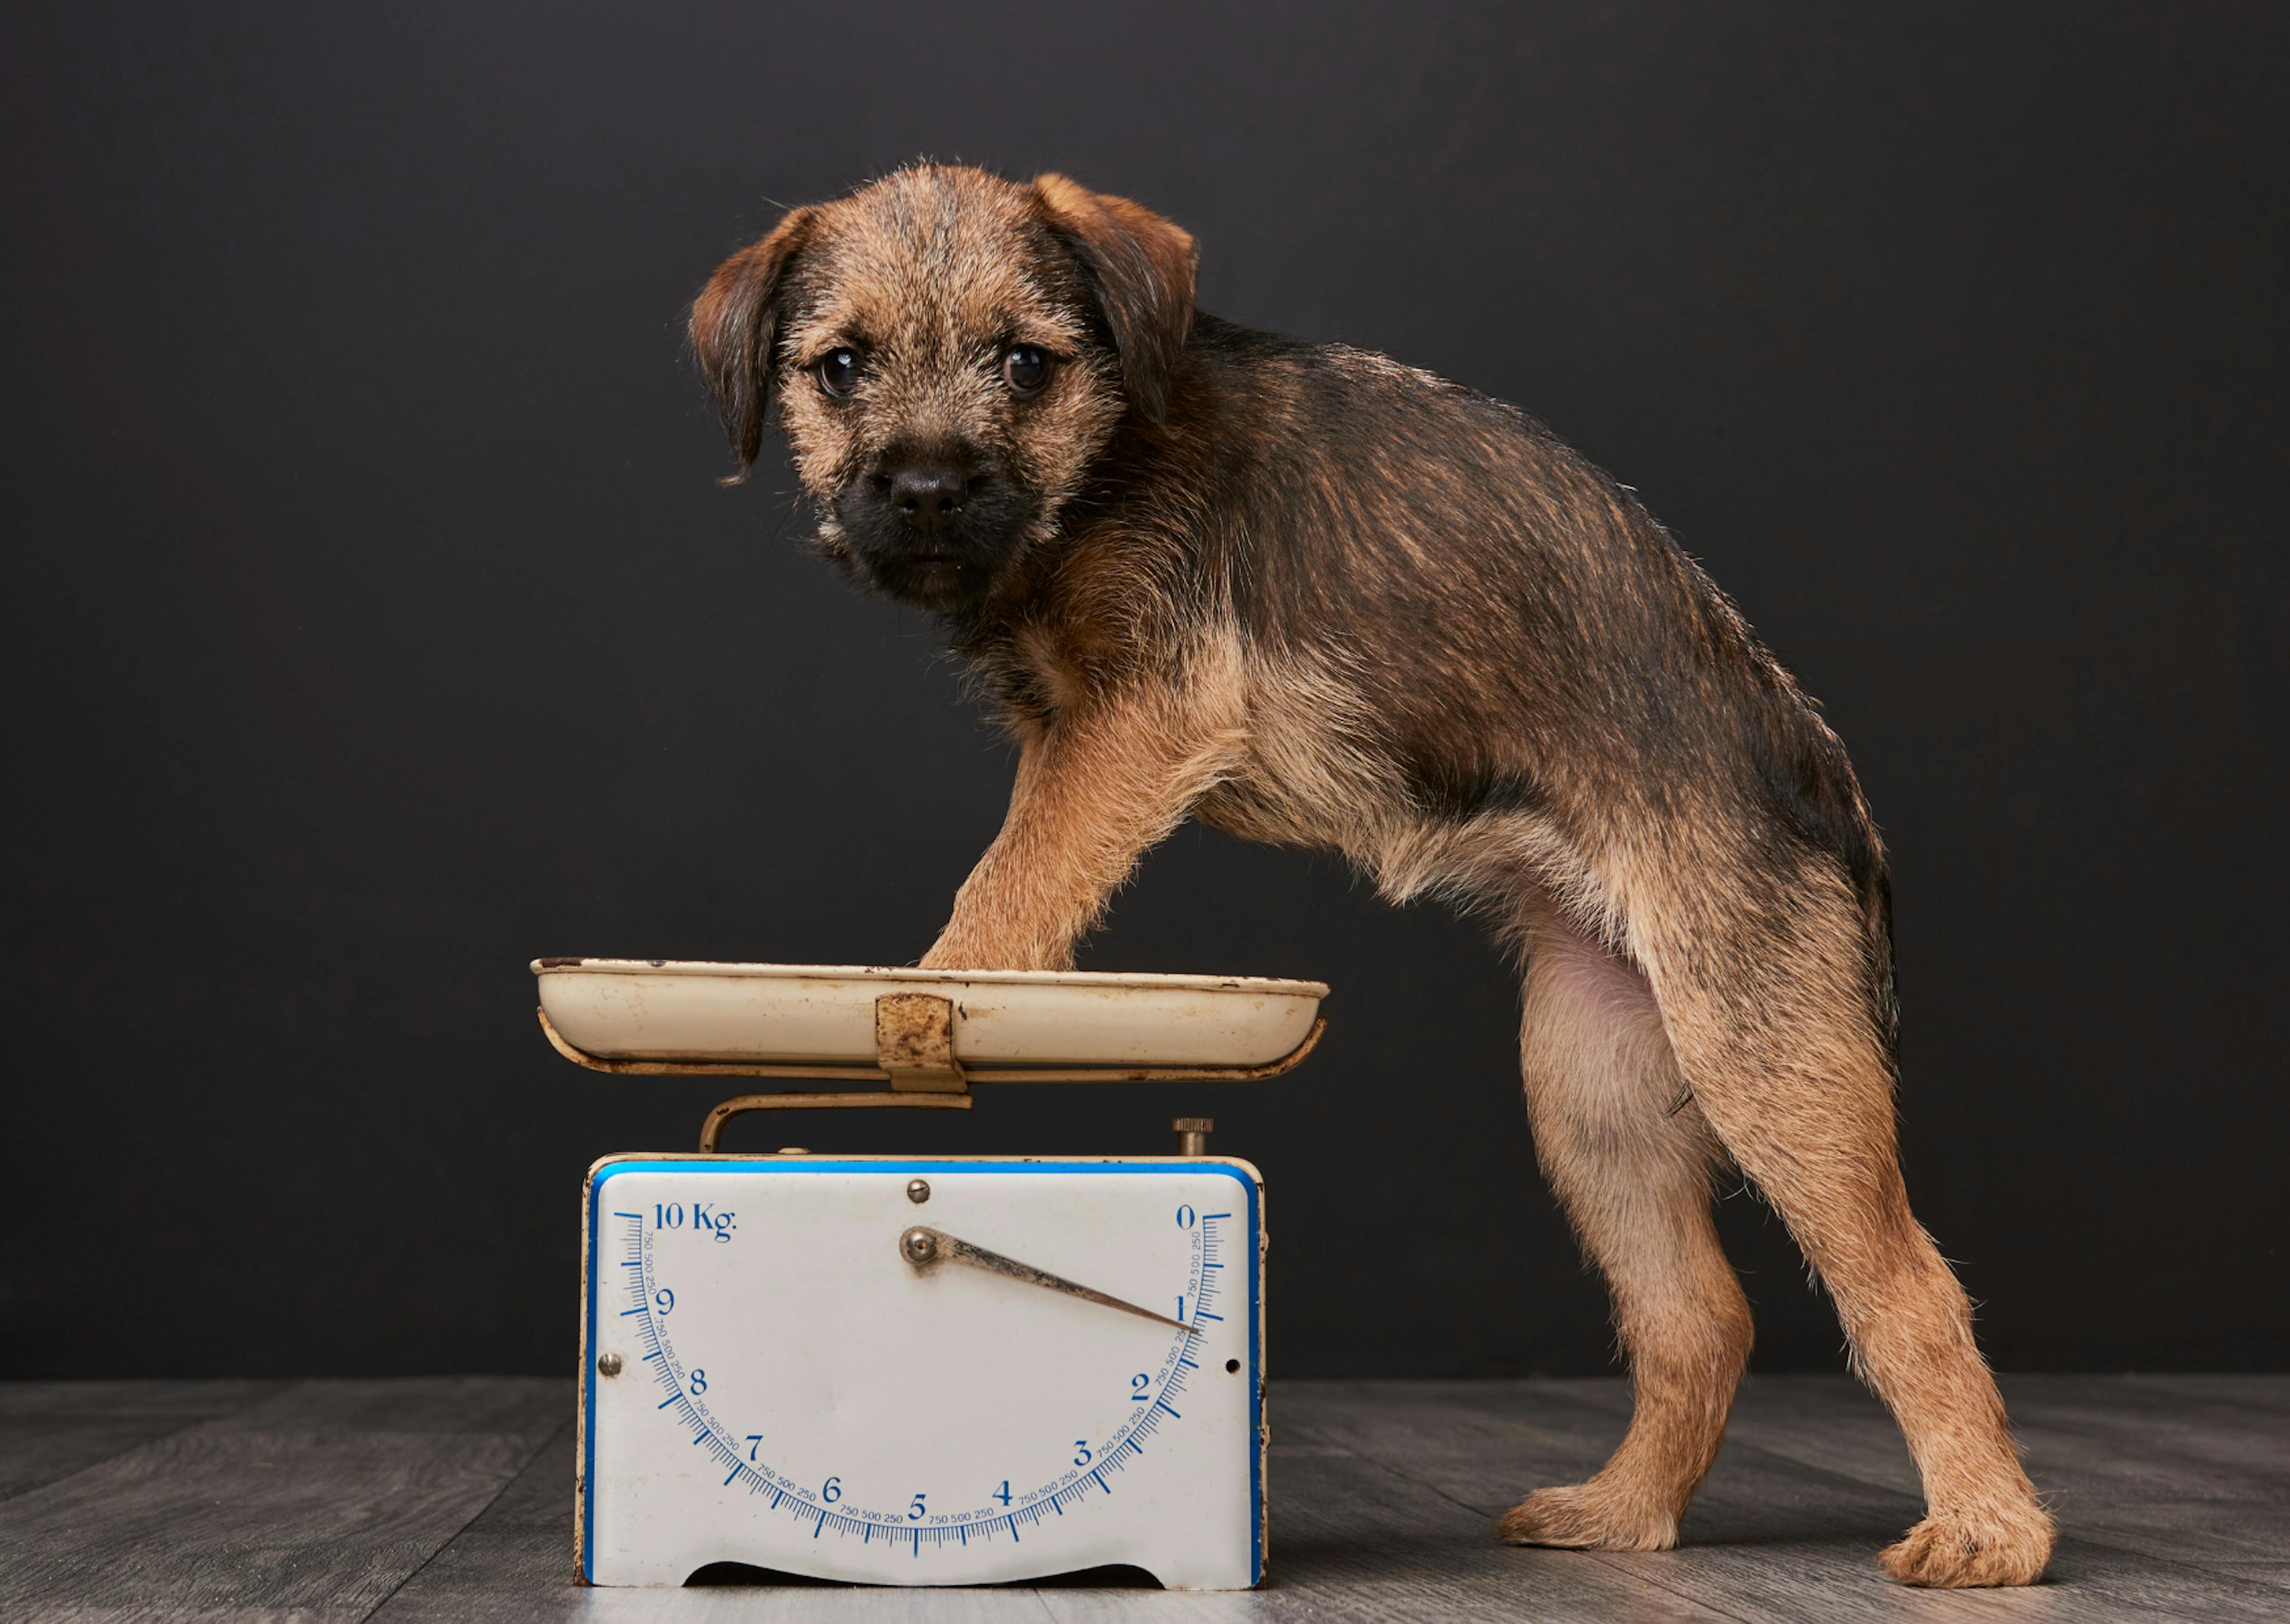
1143, 269
734, 326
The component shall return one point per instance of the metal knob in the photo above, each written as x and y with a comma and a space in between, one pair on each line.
919, 1246
1193, 1134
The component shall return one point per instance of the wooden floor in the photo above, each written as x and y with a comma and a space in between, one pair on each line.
452, 1499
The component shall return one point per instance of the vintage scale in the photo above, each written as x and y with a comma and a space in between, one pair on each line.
922, 1370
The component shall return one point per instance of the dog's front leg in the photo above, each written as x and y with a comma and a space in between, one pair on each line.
1098, 786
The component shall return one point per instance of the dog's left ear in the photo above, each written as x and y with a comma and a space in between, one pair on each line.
1143, 267
734, 326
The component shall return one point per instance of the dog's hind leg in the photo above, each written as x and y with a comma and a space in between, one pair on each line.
1630, 1156
1764, 979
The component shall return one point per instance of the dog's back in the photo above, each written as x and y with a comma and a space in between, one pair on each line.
1469, 657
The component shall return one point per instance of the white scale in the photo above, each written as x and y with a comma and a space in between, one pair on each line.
922, 1370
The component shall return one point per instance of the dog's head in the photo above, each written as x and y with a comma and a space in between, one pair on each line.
948, 350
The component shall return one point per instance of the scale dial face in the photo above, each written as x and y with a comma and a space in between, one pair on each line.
781, 1371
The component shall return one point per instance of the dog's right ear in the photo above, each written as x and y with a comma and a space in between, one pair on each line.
734, 326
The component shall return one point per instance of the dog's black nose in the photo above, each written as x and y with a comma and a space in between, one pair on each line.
928, 495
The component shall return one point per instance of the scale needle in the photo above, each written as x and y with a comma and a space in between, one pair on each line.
925, 1247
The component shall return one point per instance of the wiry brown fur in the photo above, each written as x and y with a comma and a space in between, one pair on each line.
1310, 596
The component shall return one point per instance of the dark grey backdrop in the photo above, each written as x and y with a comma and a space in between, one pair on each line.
373, 623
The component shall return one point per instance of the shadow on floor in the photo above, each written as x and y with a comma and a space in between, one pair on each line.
735, 1575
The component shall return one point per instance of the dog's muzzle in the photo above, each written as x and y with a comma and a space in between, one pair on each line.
932, 527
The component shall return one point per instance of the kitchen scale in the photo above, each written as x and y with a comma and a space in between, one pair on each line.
921, 1369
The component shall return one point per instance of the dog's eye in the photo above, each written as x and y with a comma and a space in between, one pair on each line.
1025, 368
838, 373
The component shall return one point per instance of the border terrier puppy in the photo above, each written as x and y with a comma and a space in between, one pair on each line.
1308, 595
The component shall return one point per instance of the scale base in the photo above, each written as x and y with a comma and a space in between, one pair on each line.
768, 1381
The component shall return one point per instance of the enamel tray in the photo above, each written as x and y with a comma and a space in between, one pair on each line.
669, 1010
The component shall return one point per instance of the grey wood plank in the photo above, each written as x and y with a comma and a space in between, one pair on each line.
1852, 1434
2122, 1461
2231, 1536
1354, 1540
2120, 1484
2092, 1576
1829, 1423
527, 1406
2089, 1442
1541, 1443
1770, 1536
50, 1430
2143, 1444
1795, 1543
170, 1613
2257, 1392
318, 1501
2224, 1404
2274, 1571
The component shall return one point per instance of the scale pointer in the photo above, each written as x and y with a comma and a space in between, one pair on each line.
925, 1247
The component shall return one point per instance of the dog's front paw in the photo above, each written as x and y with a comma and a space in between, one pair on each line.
1588, 1516
1957, 1551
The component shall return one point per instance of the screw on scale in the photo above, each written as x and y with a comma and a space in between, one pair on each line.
1193, 1134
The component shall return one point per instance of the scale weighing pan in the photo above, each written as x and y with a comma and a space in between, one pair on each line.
681, 1016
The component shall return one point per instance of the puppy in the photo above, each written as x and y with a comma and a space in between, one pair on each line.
1310, 596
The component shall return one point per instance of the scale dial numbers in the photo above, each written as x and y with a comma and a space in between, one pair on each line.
849, 1397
